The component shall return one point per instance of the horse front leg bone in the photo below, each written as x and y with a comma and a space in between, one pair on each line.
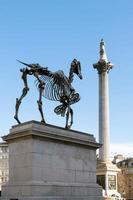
69, 113
67, 117
39, 102
24, 93
71, 122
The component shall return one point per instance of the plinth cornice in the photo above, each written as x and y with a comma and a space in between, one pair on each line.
33, 129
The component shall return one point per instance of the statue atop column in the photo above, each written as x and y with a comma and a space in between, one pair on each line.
103, 65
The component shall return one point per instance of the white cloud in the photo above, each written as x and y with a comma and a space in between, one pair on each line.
126, 149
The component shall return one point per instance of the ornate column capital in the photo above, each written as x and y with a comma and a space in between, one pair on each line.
103, 66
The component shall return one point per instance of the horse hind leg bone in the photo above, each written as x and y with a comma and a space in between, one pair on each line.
39, 102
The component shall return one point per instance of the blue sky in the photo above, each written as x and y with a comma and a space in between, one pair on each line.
53, 33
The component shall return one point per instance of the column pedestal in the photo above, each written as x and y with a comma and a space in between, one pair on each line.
48, 162
107, 177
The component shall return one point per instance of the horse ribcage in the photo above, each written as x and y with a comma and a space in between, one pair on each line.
56, 86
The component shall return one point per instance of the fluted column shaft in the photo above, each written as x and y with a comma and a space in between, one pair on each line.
103, 116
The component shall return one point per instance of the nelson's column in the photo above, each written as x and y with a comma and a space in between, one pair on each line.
103, 66
106, 171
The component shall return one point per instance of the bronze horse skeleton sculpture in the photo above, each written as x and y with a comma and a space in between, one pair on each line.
53, 86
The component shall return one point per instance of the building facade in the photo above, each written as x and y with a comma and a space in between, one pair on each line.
4, 166
125, 178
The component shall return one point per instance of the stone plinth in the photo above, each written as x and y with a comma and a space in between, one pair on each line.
48, 162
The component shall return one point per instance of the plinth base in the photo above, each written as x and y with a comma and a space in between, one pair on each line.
53, 192
48, 162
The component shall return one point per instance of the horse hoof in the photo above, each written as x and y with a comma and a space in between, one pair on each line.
43, 122
67, 127
15, 117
